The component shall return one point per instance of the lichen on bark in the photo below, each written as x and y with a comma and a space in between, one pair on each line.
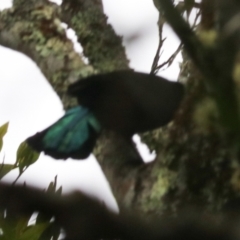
197, 162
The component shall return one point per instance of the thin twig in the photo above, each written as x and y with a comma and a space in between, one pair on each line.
19, 175
170, 59
160, 45
198, 14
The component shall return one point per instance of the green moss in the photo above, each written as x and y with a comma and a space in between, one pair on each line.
101, 45
165, 180
206, 115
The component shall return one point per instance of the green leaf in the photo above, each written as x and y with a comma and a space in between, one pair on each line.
59, 191
6, 228
3, 131
52, 232
25, 156
52, 187
42, 217
5, 169
12, 227
34, 232
22, 225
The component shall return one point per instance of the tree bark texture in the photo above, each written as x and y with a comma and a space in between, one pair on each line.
197, 159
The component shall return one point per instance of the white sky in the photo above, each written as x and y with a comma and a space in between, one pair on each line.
29, 103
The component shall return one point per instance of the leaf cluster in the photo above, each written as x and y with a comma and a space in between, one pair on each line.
35, 225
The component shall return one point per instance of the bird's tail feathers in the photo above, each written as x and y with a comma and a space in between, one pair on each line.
74, 135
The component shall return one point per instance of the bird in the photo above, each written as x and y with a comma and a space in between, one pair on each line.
123, 101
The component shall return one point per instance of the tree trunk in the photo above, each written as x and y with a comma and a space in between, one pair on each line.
197, 159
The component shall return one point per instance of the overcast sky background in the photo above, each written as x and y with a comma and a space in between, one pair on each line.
30, 104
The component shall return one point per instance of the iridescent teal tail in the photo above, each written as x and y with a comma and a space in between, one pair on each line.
72, 136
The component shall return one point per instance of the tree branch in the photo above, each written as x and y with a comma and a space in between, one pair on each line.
85, 218
36, 31
214, 62
100, 43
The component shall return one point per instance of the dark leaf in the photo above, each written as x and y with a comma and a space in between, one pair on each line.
5, 169
26, 156
34, 232
3, 131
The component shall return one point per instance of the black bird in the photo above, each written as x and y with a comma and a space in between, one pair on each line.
125, 101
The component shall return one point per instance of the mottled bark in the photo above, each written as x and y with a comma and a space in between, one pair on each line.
100, 43
34, 28
198, 154
197, 159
